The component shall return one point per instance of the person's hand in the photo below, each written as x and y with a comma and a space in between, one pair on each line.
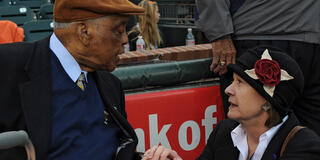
160, 153
224, 53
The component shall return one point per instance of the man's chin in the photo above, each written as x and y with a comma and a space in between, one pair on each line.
111, 69
102, 67
108, 68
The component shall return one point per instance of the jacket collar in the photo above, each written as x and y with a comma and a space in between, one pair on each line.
130, 140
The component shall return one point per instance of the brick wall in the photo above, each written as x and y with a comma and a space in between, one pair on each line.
178, 53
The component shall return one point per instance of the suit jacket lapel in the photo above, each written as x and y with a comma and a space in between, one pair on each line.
36, 98
130, 140
120, 120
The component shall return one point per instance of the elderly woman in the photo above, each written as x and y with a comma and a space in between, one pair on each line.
261, 125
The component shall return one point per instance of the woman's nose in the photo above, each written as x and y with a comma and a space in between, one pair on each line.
228, 90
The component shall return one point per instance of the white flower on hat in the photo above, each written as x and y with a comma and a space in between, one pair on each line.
268, 72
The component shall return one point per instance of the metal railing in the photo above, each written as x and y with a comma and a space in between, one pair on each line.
177, 13
12, 139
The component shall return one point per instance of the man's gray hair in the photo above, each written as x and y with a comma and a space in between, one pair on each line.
63, 25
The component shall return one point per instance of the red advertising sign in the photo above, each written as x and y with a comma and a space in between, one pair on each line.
180, 119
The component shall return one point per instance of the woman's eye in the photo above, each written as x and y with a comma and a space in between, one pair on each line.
237, 81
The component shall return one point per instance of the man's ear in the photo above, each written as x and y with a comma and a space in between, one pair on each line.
83, 34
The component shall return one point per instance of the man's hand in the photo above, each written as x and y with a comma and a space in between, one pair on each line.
224, 53
160, 153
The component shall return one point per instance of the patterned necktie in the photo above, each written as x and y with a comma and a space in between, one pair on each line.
81, 82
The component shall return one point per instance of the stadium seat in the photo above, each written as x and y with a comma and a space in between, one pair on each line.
17, 14
4, 3
46, 11
46, 1
37, 29
33, 4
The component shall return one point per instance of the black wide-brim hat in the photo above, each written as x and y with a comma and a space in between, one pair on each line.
286, 90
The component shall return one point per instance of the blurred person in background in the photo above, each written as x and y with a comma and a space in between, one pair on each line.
233, 26
10, 32
265, 84
147, 27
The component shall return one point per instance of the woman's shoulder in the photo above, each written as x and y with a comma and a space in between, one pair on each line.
305, 144
306, 136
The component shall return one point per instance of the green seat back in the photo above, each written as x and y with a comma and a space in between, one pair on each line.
5, 3
33, 4
36, 30
46, 11
17, 14
46, 2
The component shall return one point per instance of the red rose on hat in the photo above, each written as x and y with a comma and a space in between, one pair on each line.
268, 72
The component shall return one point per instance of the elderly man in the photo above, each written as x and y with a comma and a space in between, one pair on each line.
60, 90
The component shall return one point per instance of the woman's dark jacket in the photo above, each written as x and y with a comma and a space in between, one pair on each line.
305, 145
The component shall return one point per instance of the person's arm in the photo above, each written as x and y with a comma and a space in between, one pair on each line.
132, 39
215, 21
214, 18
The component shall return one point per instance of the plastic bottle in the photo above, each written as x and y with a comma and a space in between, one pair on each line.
190, 38
140, 44
126, 47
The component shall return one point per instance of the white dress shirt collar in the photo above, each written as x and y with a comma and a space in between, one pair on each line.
239, 138
69, 64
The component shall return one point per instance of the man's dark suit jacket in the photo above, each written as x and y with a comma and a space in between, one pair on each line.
305, 145
25, 98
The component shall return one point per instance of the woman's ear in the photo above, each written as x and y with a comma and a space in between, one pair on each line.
83, 34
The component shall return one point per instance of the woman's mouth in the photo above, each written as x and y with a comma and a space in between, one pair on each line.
233, 104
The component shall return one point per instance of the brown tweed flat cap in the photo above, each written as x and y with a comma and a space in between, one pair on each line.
76, 10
